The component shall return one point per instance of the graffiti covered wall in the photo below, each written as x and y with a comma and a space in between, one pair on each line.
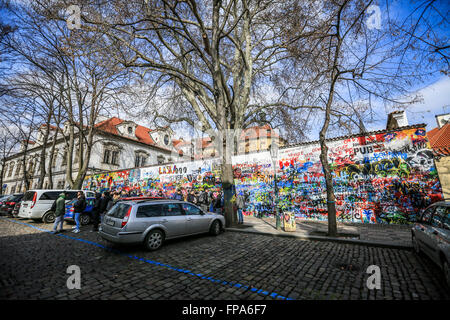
386, 177
196, 175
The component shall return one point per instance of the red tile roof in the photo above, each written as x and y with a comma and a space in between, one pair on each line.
142, 133
440, 140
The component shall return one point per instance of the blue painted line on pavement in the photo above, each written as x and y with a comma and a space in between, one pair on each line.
198, 275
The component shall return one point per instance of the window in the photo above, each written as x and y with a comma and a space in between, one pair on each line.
441, 217
172, 209
119, 210
147, 211
64, 159
130, 130
115, 157
106, 156
11, 168
161, 159
426, 216
18, 169
137, 160
50, 195
29, 195
166, 139
55, 156
70, 195
191, 210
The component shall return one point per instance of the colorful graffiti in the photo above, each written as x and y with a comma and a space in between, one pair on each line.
167, 178
380, 178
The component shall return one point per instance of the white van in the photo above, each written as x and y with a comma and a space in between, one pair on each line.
36, 204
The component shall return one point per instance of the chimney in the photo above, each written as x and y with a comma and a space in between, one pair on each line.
396, 119
442, 119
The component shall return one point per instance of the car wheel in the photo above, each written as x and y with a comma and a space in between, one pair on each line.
154, 240
49, 217
215, 228
85, 219
415, 244
446, 270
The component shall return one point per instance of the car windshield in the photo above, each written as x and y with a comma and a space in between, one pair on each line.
119, 210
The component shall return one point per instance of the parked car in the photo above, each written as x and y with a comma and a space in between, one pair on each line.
431, 235
8, 204
37, 204
3, 198
151, 222
85, 217
16, 209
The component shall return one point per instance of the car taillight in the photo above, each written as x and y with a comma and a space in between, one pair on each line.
11, 203
34, 200
125, 219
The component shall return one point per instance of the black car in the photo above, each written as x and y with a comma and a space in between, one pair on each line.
7, 207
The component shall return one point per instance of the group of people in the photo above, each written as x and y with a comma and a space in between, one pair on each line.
205, 199
103, 202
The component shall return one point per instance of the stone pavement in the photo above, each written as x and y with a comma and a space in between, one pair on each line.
395, 236
230, 266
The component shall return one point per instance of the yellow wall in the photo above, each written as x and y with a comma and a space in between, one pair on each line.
443, 168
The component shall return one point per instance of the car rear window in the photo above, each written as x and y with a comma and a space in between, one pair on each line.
16, 197
152, 210
29, 195
119, 210
50, 195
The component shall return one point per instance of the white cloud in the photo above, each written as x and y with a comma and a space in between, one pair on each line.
436, 100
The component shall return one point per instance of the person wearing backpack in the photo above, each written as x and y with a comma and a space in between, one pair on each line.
78, 208
59, 210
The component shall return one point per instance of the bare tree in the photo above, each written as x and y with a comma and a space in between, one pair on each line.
207, 63
351, 63
77, 78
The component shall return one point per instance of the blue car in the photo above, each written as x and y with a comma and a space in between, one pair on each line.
85, 217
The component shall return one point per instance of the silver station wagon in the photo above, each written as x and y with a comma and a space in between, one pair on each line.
152, 221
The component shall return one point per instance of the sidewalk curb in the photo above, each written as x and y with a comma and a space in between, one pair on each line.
321, 238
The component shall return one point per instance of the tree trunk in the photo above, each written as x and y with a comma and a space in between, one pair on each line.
1, 176
331, 204
43, 156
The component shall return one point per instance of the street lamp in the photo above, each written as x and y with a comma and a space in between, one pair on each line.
274, 156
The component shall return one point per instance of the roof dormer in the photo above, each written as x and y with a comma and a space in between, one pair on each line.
127, 129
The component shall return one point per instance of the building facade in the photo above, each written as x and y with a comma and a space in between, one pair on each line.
118, 144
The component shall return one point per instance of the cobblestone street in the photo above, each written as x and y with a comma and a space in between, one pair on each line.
231, 266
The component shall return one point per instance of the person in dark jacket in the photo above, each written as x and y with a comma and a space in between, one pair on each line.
96, 211
60, 210
78, 208
104, 204
218, 204
191, 197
